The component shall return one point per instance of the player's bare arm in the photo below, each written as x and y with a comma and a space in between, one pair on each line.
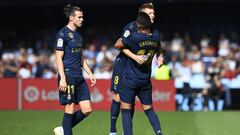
89, 72
160, 57
138, 58
63, 83
160, 60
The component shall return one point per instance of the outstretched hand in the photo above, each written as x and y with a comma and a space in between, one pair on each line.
140, 59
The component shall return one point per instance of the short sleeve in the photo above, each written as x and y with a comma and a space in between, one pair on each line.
127, 41
126, 33
127, 30
59, 43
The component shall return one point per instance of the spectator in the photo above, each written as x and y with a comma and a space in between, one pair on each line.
104, 64
90, 54
1, 69
223, 45
177, 45
9, 65
213, 88
24, 71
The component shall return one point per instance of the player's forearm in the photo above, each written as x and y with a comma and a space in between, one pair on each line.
61, 69
86, 67
129, 53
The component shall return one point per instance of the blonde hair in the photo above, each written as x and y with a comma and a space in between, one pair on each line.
146, 5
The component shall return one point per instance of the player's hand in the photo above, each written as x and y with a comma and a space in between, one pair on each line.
63, 85
92, 79
160, 60
140, 59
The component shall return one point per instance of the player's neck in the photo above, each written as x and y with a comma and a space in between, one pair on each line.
71, 26
145, 31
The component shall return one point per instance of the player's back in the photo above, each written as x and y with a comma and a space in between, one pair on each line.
71, 43
141, 44
127, 30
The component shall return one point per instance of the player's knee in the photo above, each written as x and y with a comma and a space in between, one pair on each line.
69, 109
87, 111
146, 107
116, 97
126, 105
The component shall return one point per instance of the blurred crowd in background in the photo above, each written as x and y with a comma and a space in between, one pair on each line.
203, 46
210, 67
202, 58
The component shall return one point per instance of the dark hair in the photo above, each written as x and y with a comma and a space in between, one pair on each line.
143, 20
146, 5
69, 10
162, 51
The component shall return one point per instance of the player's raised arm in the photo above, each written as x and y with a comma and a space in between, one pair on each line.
140, 59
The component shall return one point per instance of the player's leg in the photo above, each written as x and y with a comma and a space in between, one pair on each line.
67, 119
78, 116
153, 118
127, 96
66, 99
133, 109
115, 105
86, 109
126, 110
83, 99
115, 109
145, 96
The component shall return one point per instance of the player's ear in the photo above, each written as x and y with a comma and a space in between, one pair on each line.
71, 18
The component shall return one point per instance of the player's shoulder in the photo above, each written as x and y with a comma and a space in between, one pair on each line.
62, 32
132, 26
129, 29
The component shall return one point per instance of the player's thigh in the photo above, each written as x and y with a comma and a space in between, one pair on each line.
116, 96
85, 106
82, 92
146, 107
126, 105
116, 79
145, 95
127, 94
67, 97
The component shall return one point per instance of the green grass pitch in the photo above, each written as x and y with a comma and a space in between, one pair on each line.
173, 123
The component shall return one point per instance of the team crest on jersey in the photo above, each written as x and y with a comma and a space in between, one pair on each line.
60, 42
126, 33
70, 35
69, 97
